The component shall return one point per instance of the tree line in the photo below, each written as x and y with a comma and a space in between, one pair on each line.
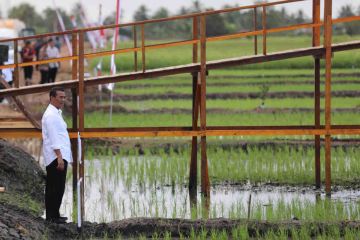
217, 24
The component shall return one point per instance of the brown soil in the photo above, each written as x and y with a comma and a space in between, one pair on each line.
120, 109
155, 146
225, 84
233, 95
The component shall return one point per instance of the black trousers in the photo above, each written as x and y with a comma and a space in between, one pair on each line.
44, 76
52, 74
55, 188
28, 72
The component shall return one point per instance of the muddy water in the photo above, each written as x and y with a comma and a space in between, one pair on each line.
111, 197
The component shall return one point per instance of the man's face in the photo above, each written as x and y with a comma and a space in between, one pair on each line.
59, 100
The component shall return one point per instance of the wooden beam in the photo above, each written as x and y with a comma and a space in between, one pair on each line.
188, 68
316, 20
21, 106
317, 121
255, 29
218, 64
135, 52
205, 182
143, 48
81, 120
15, 124
346, 19
16, 68
264, 29
188, 132
74, 141
156, 20
195, 111
316, 42
328, 54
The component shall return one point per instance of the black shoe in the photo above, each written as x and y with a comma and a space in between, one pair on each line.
56, 220
63, 218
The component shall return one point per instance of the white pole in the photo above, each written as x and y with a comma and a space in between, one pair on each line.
79, 185
78, 203
111, 108
62, 25
113, 64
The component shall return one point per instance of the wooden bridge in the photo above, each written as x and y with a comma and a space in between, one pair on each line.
198, 69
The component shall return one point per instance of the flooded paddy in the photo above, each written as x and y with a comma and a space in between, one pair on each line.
120, 187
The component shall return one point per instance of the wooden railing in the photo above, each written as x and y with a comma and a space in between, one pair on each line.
143, 48
198, 67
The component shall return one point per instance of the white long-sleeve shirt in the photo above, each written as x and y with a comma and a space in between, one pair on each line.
53, 52
55, 135
7, 72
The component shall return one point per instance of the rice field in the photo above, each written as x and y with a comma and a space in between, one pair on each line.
128, 184
134, 180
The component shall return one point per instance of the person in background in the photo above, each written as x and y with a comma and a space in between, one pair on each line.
57, 154
7, 75
58, 43
27, 55
52, 52
43, 68
38, 45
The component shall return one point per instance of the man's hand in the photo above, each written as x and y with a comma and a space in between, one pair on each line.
61, 164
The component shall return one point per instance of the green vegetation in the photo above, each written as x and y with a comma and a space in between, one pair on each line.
287, 165
158, 58
152, 184
22, 201
101, 119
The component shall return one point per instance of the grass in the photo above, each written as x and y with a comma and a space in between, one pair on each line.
22, 201
233, 48
101, 119
232, 89
286, 166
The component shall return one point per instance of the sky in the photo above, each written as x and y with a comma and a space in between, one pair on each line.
129, 6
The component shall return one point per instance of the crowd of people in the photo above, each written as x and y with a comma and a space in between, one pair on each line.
37, 51
43, 50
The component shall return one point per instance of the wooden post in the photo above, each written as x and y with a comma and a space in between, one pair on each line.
195, 110
316, 42
74, 142
328, 55
143, 47
255, 28
205, 183
135, 46
264, 29
81, 118
16, 61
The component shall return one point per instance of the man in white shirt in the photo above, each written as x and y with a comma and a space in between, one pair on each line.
8, 72
57, 154
52, 52
7, 75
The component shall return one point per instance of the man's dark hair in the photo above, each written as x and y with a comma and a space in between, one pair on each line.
54, 90
50, 40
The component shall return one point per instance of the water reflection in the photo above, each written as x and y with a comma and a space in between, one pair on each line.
110, 197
